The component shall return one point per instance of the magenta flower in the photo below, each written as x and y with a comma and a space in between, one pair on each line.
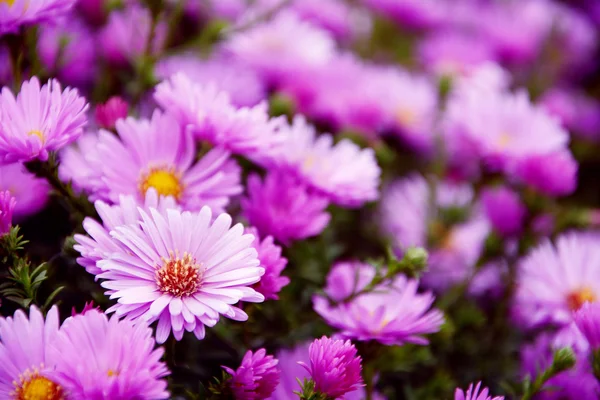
334, 367
414, 14
284, 208
181, 269
26, 361
474, 393
393, 314
587, 319
16, 13
269, 255
7, 205
348, 278
109, 113
157, 154
578, 112
504, 209
256, 378
343, 172
39, 120
554, 174
556, 279
31, 193
102, 359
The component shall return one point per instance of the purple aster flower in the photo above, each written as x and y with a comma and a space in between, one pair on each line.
102, 359
587, 319
556, 279
393, 314
345, 173
181, 269
412, 14
125, 35
39, 120
207, 112
554, 174
271, 260
109, 113
489, 280
16, 13
578, 112
348, 278
474, 393
31, 193
256, 378
284, 208
25, 358
334, 367
68, 50
243, 85
281, 47
159, 154
7, 205
99, 244
504, 209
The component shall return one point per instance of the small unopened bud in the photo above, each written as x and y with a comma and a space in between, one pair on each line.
109, 113
416, 257
563, 360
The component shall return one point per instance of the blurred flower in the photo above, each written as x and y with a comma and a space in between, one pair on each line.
25, 360
102, 359
555, 280
31, 193
39, 120
182, 270
334, 366
16, 13
578, 112
256, 378
269, 255
7, 205
587, 319
348, 278
158, 154
505, 210
68, 50
284, 208
78, 165
393, 313
5, 66
412, 14
554, 174
107, 114
488, 280
473, 393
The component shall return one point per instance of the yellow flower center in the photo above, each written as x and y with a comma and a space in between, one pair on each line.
33, 386
36, 132
504, 140
406, 117
112, 373
166, 181
10, 2
578, 298
179, 276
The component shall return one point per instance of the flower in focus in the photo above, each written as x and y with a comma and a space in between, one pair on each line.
577, 112
334, 367
158, 154
109, 113
16, 13
256, 378
25, 358
504, 209
554, 280
474, 393
31, 193
7, 205
102, 359
587, 319
39, 120
284, 208
393, 313
271, 260
182, 270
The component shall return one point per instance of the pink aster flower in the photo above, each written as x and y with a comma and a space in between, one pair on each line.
31, 193
393, 314
474, 393
284, 208
39, 120
587, 319
78, 165
107, 114
346, 174
102, 359
16, 13
181, 269
504, 209
579, 113
554, 174
158, 154
334, 367
556, 279
25, 358
413, 14
271, 260
7, 205
256, 378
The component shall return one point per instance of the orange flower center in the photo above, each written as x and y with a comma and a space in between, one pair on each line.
166, 181
10, 2
179, 276
578, 298
36, 132
33, 386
